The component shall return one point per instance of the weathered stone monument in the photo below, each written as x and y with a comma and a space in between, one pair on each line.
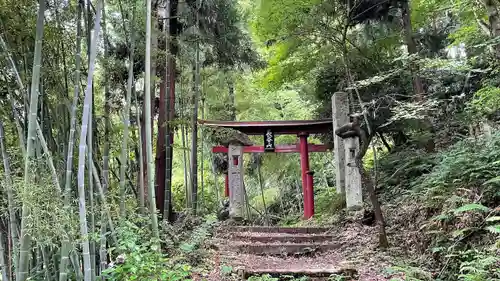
354, 196
347, 173
235, 174
340, 112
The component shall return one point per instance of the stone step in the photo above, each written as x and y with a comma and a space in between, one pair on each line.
280, 249
245, 273
319, 267
280, 237
276, 229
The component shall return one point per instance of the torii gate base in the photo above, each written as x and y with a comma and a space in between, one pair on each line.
348, 177
235, 186
235, 177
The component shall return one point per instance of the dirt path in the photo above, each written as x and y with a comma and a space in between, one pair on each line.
315, 252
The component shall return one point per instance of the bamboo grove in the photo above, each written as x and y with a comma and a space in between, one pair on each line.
96, 141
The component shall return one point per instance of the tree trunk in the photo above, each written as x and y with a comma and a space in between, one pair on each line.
492, 7
148, 129
66, 245
367, 181
160, 161
126, 119
140, 160
418, 88
170, 33
10, 195
25, 238
194, 138
87, 267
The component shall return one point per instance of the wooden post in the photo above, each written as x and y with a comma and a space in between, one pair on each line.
309, 195
226, 184
354, 197
340, 112
304, 167
235, 174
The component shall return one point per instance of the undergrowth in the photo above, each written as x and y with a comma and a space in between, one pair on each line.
452, 199
178, 258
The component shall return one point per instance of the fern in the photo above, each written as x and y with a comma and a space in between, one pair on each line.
471, 207
494, 229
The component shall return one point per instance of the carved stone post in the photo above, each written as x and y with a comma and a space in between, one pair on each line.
235, 174
354, 196
340, 112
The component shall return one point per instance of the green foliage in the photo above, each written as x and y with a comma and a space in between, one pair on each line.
410, 273
479, 266
464, 166
471, 207
485, 103
141, 259
268, 277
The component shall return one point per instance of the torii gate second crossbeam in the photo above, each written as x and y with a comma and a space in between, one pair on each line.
268, 129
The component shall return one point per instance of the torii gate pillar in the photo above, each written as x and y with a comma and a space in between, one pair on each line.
235, 177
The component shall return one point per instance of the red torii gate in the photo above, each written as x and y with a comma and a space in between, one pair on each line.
301, 128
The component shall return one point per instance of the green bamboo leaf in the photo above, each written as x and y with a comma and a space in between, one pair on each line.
495, 218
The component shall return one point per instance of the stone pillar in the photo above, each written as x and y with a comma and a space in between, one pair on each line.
354, 197
235, 174
340, 116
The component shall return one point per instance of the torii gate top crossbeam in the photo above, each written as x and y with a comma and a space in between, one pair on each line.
287, 127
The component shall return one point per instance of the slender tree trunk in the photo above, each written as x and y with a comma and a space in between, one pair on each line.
25, 238
160, 159
194, 121
140, 176
66, 245
418, 88
202, 170
184, 158
90, 190
75, 262
148, 129
92, 130
3, 264
17, 120
10, 196
46, 267
261, 184
230, 85
126, 121
82, 148
492, 9
107, 110
171, 45
104, 205
166, 130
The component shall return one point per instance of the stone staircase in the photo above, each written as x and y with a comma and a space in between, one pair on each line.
280, 251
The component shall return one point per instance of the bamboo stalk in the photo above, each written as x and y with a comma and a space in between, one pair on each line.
66, 245
147, 108
25, 238
194, 120
168, 114
10, 196
141, 156
3, 265
126, 119
87, 268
